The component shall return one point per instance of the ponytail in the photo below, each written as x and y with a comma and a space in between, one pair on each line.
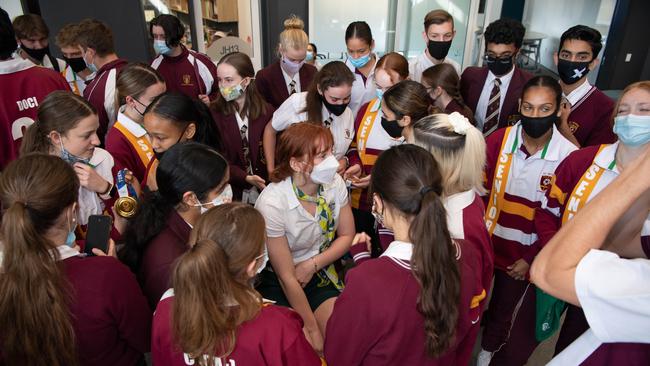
34, 314
35, 140
435, 267
207, 132
406, 178
445, 76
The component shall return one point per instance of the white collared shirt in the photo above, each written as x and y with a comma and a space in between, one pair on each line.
291, 111
362, 92
481, 106
454, 205
288, 79
89, 201
285, 216
614, 293
65, 252
422, 62
15, 64
241, 122
399, 252
134, 127
579, 92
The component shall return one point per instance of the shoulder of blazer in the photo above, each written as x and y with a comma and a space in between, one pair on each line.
268, 72
474, 73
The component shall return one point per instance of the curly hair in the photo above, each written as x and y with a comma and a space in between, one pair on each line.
505, 31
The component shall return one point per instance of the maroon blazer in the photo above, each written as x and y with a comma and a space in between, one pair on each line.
233, 149
270, 82
471, 86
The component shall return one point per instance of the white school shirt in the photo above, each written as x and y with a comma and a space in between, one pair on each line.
89, 201
526, 174
76, 82
241, 122
481, 106
291, 111
362, 92
285, 216
575, 96
614, 294
454, 206
288, 79
422, 62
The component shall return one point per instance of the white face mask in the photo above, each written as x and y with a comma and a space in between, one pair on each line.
325, 171
265, 258
224, 197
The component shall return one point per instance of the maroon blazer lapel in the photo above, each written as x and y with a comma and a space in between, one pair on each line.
279, 87
475, 79
306, 74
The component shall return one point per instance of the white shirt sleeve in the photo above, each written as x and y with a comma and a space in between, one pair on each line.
274, 215
341, 191
288, 113
615, 296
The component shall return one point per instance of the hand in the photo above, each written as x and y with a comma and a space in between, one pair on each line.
111, 250
565, 110
361, 238
256, 180
361, 182
352, 172
89, 179
343, 164
205, 99
315, 338
305, 271
119, 222
518, 269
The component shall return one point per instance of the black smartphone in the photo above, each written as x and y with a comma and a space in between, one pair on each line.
99, 231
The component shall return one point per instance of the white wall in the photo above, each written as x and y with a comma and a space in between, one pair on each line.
553, 17
12, 7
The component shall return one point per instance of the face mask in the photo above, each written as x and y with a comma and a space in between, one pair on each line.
90, 66
325, 171
71, 239
632, 130
499, 66
265, 258
36, 54
535, 127
142, 104
77, 64
291, 67
570, 72
438, 50
359, 62
379, 93
71, 159
379, 218
224, 197
392, 128
160, 46
310, 56
335, 109
231, 93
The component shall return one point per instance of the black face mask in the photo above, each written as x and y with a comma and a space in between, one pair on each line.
36, 54
438, 50
535, 127
392, 128
77, 64
570, 72
335, 109
499, 66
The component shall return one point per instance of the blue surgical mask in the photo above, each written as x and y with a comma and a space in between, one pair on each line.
71, 239
360, 62
310, 56
379, 93
224, 197
161, 48
89, 65
70, 158
633, 130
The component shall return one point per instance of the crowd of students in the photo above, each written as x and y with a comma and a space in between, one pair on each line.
368, 212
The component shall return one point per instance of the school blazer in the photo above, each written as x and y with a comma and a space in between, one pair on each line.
270, 82
233, 151
471, 86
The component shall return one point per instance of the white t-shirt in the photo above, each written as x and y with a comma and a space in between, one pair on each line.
614, 294
291, 111
422, 62
285, 216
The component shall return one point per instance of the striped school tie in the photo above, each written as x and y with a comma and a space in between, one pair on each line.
328, 122
292, 87
246, 149
492, 114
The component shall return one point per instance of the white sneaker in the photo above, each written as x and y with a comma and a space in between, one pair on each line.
483, 358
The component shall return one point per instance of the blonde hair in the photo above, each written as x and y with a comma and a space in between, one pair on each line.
293, 36
461, 158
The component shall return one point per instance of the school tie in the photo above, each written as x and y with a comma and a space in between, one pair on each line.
246, 149
292, 87
328, 122
492, 113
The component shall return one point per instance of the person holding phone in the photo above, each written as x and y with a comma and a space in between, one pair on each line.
235, 325
67, 127
59, 307
191, 178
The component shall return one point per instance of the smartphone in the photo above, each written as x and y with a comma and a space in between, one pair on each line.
99, 230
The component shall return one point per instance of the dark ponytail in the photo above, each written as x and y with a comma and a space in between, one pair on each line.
445, 76
35, 320
185, 167
182, 110
406, 178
